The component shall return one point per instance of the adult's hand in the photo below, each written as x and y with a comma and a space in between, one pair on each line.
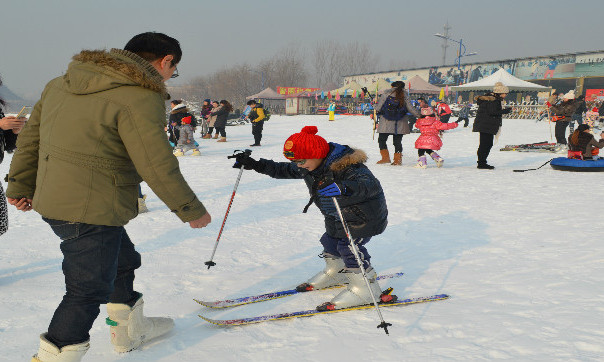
16, 124
201, 222
22, 204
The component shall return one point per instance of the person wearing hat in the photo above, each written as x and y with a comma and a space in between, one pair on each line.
332, 111
394, 109
562, 114
582, 140
488, 121
333, 170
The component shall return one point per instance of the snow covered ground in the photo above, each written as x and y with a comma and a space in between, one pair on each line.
521, 255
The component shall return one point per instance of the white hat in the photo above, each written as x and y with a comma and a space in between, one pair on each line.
500, 88
569, 95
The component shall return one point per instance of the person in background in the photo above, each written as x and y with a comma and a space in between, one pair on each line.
332, 111
443, 111
579, 113
488, 121
394, 109
206, 108
87, 194
9, 129
222, 114
464, 114
562, 113
212, 120
429, 141
257, 117
582, 140
184, 121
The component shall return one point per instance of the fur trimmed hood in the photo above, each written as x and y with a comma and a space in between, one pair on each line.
357, 156
489, 97
181, 108
117, 68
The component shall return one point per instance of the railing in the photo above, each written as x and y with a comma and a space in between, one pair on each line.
525, 111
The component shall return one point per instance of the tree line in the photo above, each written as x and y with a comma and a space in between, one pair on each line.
322, 66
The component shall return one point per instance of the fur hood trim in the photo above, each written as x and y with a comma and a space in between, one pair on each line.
132, 66
358, 156
181, 108
486, 97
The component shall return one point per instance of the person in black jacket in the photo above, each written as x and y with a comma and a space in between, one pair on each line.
257, 117
9, 128
331, 170
222, 113
488, 121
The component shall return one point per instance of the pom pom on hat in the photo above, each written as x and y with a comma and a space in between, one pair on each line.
500, 88
305, 145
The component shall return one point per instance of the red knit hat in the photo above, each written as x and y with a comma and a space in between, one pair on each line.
305, 145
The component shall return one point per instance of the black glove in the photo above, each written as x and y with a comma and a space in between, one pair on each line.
244, 160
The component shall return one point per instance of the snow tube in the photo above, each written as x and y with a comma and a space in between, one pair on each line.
570, 164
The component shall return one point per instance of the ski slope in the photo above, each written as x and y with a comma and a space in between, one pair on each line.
521, 255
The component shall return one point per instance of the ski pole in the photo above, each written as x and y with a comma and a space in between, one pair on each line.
372, 102
533, 169
211, 263
355, 251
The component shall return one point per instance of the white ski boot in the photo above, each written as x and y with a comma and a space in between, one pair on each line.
179, 153
328, 277
356, 293
48, 352
196, 153
130, 328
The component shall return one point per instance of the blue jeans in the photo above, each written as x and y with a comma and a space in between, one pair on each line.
341, 247
98, 264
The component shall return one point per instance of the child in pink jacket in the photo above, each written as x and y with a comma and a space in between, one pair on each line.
429, 140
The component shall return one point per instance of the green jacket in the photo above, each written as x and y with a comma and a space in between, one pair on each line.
92, 136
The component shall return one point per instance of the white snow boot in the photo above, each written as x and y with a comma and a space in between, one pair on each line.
179, 153
329, 277
48, 352
439, 160
356, 292
196, 153
130, 328
142, 207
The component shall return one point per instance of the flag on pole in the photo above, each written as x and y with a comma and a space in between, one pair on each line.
328, 94
322, 95
345, 92
337, 95
442, 94
447, 90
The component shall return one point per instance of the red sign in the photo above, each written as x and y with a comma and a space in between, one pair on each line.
294, 90
593, 94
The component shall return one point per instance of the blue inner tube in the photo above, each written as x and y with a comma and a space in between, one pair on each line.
570, 164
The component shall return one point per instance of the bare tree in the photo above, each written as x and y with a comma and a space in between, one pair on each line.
332, 60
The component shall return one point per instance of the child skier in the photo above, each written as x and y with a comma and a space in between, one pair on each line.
429, 141
333, 170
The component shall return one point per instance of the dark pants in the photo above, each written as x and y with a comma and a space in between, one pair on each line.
211, 130
221, 130
465, 119
484, 148
560, 131
341, 247
445, 118
98, 264
423, 151
397, 141
257, 131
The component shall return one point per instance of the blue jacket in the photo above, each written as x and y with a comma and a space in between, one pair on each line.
363, 203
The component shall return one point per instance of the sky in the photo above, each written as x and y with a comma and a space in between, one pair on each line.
38, 38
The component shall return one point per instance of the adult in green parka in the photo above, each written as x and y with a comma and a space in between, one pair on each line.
95, 134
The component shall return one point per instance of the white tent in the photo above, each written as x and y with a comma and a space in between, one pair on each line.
513, 83
267, 93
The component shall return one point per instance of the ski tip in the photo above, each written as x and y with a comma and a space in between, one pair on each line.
209, 320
